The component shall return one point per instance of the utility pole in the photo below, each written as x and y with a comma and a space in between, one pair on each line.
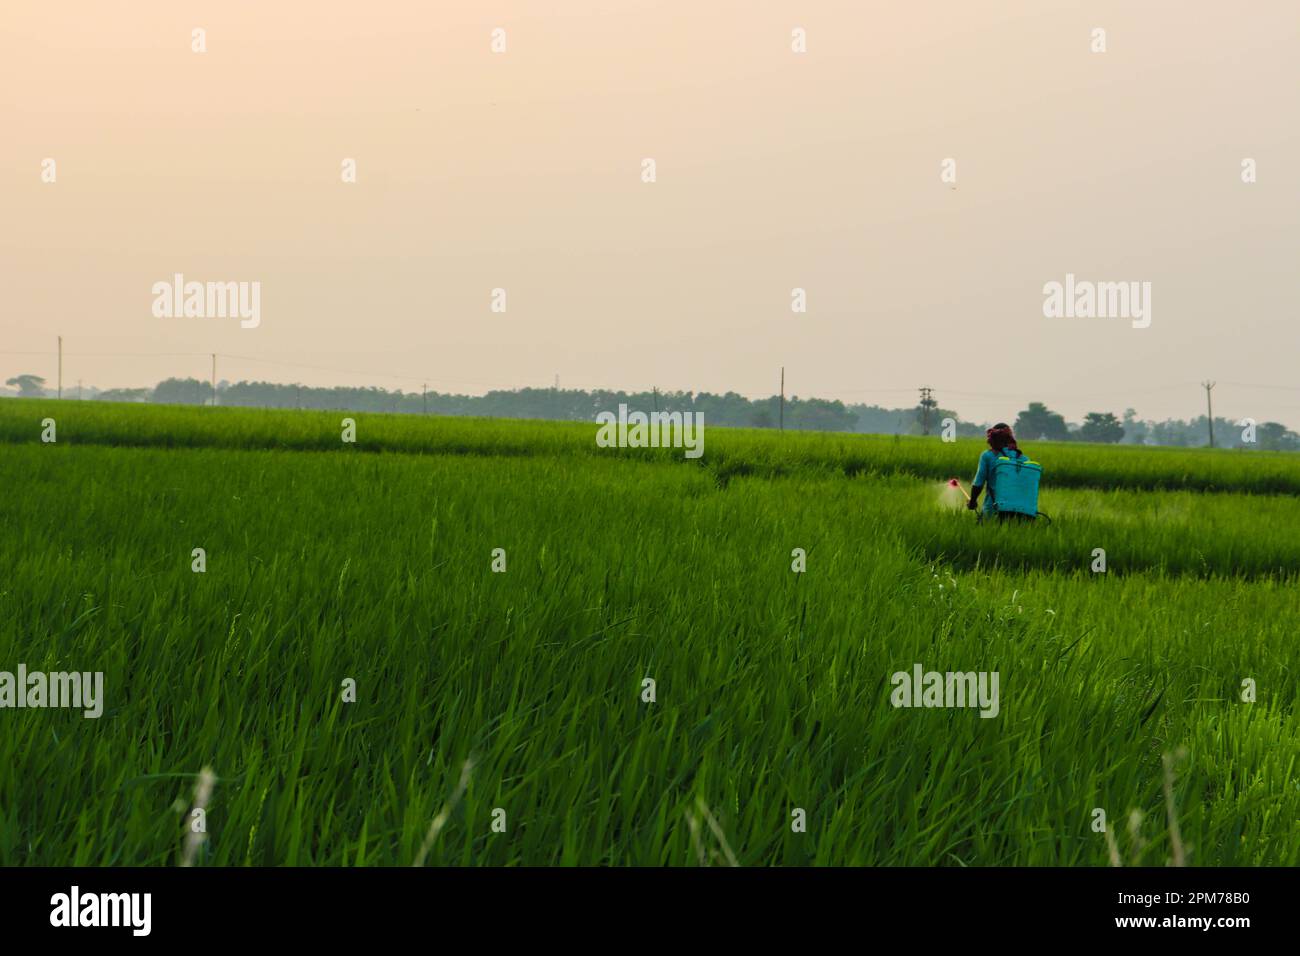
783, 398
1209, 409
656, 393
927, 403
214, 379
424, 394
60, 366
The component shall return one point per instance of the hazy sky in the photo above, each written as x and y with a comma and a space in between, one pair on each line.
775, 170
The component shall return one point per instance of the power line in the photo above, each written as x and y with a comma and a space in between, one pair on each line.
927, 403
783, 399
1209, 409
109, 354
1286, 388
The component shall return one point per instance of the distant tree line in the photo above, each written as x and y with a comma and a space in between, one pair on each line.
1035, 423
1038, 422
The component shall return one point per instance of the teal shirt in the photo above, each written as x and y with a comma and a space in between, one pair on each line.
984, 474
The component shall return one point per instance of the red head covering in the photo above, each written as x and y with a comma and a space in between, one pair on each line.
1000, 437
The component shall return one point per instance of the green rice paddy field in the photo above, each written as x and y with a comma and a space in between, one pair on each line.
501, 718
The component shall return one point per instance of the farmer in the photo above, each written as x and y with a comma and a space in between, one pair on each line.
1009, 475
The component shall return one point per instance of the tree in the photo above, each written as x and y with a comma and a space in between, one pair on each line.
1274, 436
182, 391
1171, 432
1135, 430
873, 419
1040, 423
1101, 427
29, 386
125, 395
818, 414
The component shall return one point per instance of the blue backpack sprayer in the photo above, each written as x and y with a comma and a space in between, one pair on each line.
1012, 486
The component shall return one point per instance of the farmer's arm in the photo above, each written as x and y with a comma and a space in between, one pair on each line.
977, 485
